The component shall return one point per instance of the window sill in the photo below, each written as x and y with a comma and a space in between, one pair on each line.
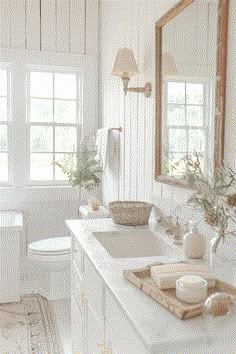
27, 194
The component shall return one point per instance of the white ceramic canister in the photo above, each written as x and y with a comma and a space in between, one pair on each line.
194, 243
191, 289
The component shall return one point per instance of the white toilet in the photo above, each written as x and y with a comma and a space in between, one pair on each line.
50, 260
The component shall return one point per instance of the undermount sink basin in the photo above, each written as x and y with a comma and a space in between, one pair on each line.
133, 244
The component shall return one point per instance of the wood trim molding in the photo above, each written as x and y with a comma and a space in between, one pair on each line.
175, 10
220, 86
221, 83
158, 135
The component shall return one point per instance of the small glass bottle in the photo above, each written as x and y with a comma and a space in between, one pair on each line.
194, 243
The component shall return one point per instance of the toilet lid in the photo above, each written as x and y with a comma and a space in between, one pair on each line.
55, 245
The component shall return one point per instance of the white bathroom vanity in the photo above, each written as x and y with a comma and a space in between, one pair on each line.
110, 315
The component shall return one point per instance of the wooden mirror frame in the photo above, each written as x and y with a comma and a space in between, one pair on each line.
220, 87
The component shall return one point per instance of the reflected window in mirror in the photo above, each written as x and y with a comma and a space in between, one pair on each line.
187, 124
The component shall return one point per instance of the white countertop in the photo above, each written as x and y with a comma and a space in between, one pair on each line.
11, 219
160, 330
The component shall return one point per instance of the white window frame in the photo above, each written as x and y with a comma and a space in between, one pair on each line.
8, 123
77, 124
17, 61
208, 123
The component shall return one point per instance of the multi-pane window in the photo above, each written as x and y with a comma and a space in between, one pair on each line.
4, 124
53, 122
185, 130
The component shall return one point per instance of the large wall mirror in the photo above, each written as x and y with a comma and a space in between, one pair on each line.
190, 89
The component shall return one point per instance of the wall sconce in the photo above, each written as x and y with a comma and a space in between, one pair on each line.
125, 66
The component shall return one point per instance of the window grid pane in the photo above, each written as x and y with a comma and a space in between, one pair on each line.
56, 107
41, 167
185, 121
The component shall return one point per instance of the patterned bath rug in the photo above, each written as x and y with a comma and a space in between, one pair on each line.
28, 327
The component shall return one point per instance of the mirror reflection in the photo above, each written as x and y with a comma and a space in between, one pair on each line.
188, 73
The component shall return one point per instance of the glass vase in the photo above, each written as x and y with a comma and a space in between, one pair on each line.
223, 250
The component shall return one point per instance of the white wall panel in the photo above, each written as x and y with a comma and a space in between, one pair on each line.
18, 24
58, 25
141, 127
5, 12
63, 25
91, 44
32, 25
77, 26
134, 100
48, 25
0, 23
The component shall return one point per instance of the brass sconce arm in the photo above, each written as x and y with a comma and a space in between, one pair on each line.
146, 89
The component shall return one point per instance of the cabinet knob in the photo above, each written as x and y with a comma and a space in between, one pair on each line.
83, 298
102, 344
103, 347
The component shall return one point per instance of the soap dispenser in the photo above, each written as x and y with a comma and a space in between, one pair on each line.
194, 242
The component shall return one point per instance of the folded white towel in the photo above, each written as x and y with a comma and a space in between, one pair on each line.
102, 145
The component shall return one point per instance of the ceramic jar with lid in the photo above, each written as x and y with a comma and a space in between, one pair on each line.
191, 289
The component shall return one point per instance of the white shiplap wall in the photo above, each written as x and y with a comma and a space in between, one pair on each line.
131, 23
68, 26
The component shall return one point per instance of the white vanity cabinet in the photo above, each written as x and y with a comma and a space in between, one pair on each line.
77, 329
98, 324
121, 337
11, 232
78, 303
86, 305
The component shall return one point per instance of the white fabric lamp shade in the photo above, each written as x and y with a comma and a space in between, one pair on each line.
125, 64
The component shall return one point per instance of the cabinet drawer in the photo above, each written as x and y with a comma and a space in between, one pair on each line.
121, 336
95, 291
78, 255
78, 287
77, 328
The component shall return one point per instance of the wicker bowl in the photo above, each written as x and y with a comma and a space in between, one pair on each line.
130, 213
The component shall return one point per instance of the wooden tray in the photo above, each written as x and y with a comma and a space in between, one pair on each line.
141, 278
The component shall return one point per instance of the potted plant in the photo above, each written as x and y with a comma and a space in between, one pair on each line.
82, 168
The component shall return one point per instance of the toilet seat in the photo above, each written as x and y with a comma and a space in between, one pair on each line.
56, 246
49, 266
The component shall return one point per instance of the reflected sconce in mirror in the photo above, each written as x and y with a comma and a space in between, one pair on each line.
168, 64
125, 66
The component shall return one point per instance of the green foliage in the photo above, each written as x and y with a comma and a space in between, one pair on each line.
211, 193
82, 169
190, 168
